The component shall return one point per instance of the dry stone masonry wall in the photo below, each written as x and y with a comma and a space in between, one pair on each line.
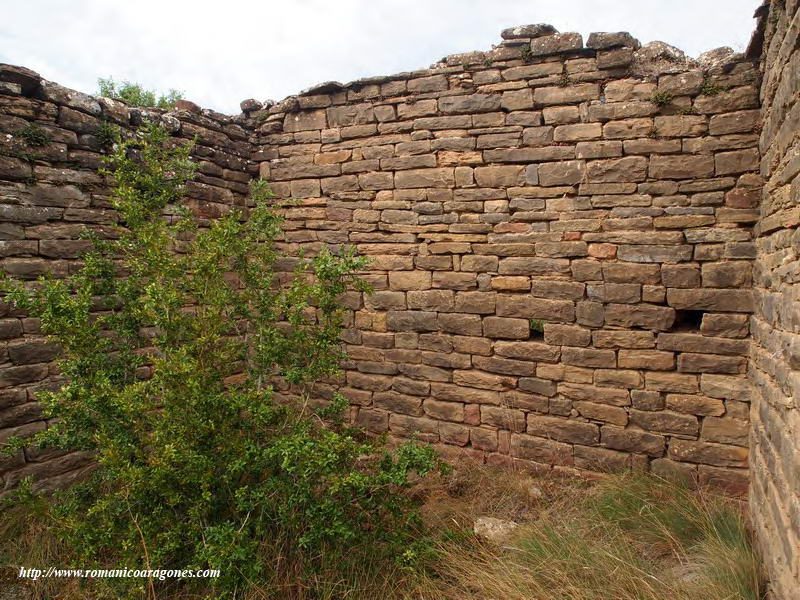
561, 246
51, 146
775, 489
567, 241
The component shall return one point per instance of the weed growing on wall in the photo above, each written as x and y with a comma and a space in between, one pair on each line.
134, 94
171, 337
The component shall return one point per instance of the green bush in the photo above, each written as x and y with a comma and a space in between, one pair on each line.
134, 94
171, 335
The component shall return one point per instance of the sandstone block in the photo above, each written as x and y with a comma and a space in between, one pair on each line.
425, 178
681, 125
605, 40
692, 342
628, 128
500, 176
666, 422
711, 299
602, 412
532, 351
711, 363
566, 95
708, 453
541, 450
694, 404
535, 308
563, 430
409, 280
627, 169
434, 83
460, 324
681, 167
611, 338
566, 335
445, 411
467, 395
485, 381
588, 357
736, 161
473, 103
590, 393
567, 172
725, 325
577, 132
503, 328
411, 321
305, 120
517, 99
632, 440
672, 382
652, 360
556, 43
644, 315
398, 403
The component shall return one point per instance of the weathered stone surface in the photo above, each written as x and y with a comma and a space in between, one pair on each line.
556, 43
528, 31
605, 40
644, 315
493, 529
535, 216
711, 299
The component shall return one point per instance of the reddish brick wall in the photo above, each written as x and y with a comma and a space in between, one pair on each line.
603, 194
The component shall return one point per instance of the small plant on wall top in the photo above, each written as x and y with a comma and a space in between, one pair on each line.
134, 94
201, 463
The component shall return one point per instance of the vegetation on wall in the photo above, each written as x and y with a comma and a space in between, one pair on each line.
172, 337
133, 94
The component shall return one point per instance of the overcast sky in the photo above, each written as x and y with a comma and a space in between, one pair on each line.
219, 53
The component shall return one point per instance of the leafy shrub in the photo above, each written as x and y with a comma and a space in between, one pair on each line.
134, 94
171, 335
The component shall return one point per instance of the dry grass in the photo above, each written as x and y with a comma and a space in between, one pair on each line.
629, 537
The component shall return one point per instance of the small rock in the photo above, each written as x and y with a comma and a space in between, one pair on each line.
326, 87
528, 31
658, 58
603, 40
717, 58
188, 106
250, 105
556, 44
535, 493
494, 530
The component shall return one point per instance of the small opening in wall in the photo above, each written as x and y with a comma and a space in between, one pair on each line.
537, 329
688, 320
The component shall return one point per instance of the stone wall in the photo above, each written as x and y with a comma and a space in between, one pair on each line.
50, 148
560, 235
775, 358
561, 245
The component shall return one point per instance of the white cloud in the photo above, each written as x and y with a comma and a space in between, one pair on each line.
220, 53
